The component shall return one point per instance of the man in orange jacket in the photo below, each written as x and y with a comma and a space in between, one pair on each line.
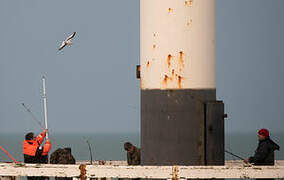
33, 153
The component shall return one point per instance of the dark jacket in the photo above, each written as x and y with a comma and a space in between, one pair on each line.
133, 158
37, 158
264, 154
62, 156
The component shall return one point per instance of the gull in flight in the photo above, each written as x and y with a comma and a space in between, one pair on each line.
67, 41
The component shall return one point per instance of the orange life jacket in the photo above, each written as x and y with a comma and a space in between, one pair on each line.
46, 148
30, 146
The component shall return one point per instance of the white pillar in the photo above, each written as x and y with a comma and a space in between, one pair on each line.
178, 44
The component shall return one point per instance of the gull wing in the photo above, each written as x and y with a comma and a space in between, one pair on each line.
71, 36
62, 45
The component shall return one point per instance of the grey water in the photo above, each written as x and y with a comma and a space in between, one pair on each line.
109, 146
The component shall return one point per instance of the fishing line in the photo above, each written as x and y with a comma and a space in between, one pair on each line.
9, 155
33, 116
234, 155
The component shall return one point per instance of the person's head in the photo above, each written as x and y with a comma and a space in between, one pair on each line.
263, 134
128, 147
29, 136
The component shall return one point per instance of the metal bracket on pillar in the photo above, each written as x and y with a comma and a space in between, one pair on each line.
138, 71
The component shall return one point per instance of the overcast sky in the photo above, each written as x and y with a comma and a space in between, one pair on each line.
92, 85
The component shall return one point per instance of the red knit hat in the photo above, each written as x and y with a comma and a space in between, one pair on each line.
263, 132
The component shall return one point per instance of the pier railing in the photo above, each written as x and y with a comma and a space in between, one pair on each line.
118, 169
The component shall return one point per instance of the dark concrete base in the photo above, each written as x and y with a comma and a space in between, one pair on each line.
173, 126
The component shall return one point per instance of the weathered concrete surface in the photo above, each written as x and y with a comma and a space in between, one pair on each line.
232, 169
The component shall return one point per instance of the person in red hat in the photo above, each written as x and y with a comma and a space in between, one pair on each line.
264, 154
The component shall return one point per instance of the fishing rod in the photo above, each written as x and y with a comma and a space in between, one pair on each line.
90, 150
9, 155
33, 116
234, 155
44, 104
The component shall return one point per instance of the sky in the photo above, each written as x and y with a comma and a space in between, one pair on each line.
92, 85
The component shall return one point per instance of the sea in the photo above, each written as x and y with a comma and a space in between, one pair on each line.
109, 146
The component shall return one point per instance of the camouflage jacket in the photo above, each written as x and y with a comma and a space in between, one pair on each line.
134, 157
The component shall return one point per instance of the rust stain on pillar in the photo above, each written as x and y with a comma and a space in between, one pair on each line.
148, 64
189, 23
188, 3
169, 60
165, 80
181, 59
180, 81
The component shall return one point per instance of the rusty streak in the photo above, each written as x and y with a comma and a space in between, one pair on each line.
179, 81
154, 46
82, 168
170, 10
188, 3
189, 23
181, 59
148, 64
165, 80
173, 72
169, 60
175, 173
